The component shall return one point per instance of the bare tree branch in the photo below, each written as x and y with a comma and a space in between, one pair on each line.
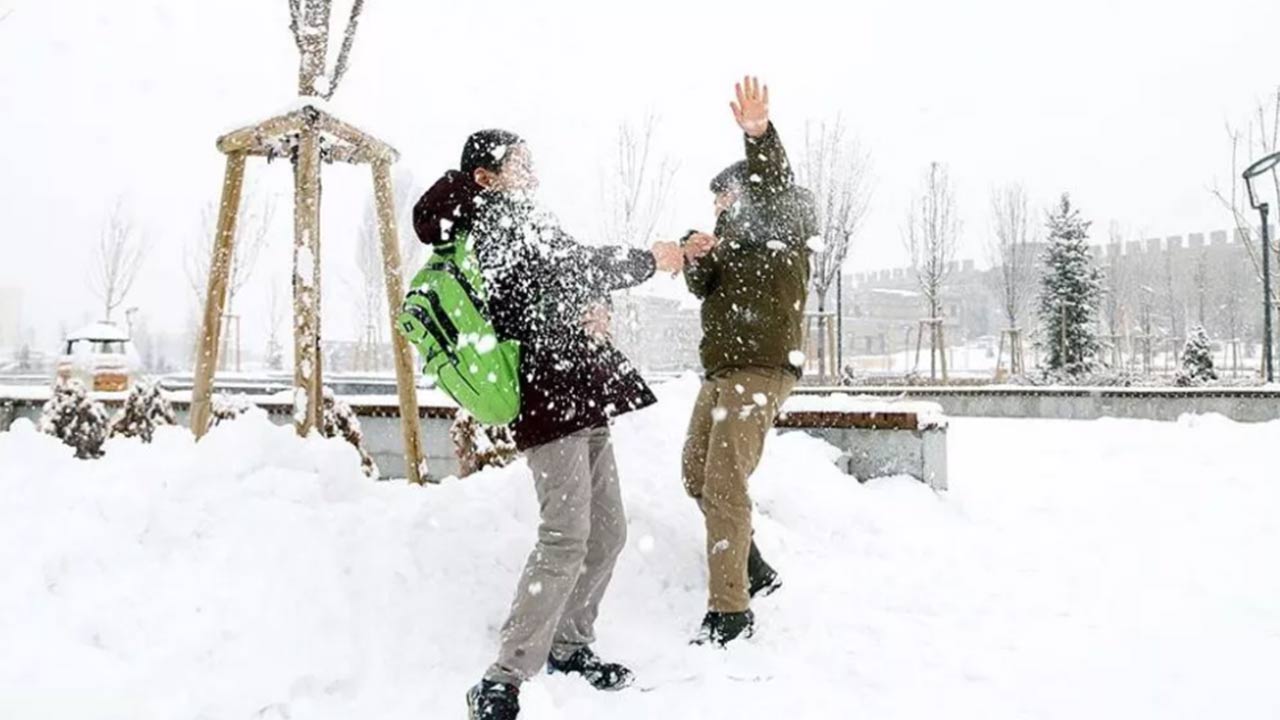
116, 262
931, 235
635, 191
253, 225
1011, 248
311, 31
837, 170
348, 38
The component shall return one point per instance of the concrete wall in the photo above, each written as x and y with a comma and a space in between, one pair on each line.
1086, 404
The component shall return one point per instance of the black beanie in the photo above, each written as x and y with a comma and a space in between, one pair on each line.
487, 149
733, 177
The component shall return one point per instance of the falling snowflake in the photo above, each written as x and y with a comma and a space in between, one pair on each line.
760, 399
796, 358
719, 413
816, 244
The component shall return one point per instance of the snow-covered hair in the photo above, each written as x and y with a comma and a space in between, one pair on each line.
487, 149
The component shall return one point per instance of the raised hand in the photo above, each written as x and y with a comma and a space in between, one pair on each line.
751, 109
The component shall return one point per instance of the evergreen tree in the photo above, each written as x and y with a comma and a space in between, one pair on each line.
1070, 293
1197, 359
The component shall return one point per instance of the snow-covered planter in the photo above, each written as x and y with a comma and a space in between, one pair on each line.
340, 421
144, 410
75, 419
479, 446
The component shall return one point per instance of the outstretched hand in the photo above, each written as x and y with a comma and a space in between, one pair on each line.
751, 109
668, 257
699, 245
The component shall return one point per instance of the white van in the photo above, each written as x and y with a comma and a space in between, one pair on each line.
101, 356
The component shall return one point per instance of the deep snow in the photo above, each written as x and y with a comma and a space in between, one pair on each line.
1105, 569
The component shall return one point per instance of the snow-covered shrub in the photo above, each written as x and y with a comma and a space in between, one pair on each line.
75, 419
1197, 360
144, 410
479, 446
340, 421
224, 408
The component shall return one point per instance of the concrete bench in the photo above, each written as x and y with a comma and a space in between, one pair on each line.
878, 438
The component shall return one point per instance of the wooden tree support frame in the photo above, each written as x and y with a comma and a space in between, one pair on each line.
1016, 364
937, 347
308, 137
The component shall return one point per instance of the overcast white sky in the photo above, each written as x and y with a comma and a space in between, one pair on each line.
1121, 102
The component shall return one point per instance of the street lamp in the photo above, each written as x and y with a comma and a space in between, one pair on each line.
1263, 166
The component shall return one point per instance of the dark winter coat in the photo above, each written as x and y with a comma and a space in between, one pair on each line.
539, 282
754, 285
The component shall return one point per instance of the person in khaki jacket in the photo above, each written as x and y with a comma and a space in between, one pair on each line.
752, 276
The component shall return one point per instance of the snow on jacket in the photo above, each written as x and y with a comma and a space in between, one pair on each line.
754, 285
539, 282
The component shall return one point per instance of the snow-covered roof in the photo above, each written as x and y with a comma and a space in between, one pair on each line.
100, 331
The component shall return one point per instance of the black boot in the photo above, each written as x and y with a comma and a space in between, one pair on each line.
762, 579
723, 628
493, 701
601, 675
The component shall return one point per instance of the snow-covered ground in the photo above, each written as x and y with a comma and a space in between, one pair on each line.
1111, 569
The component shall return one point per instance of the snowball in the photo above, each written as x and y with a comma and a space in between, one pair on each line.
796, 358
760, 399
816, 243
486, 344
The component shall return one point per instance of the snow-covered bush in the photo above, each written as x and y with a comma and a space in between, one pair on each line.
144, 410
1197, 360
224, 408
75, 419
340, 421
479, 446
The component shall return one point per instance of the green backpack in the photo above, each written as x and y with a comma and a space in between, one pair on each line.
445, 317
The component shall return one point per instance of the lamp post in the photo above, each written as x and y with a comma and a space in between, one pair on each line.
1259, 168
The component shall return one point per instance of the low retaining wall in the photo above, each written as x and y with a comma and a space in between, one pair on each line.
1165, 404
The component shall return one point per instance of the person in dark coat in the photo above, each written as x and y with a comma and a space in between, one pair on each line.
550, 293
752, 277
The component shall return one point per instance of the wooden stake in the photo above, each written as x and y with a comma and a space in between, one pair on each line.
306, 284
415, 468
216, 297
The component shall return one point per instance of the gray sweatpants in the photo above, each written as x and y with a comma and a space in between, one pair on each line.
582, 532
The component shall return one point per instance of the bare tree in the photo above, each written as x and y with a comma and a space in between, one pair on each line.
1261, 136
637, 186
837, 170
117, 260
275, 317
309, 21
1011, 249
930, 238
370, 291
253, 225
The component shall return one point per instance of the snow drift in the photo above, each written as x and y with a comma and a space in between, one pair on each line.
1107, 569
